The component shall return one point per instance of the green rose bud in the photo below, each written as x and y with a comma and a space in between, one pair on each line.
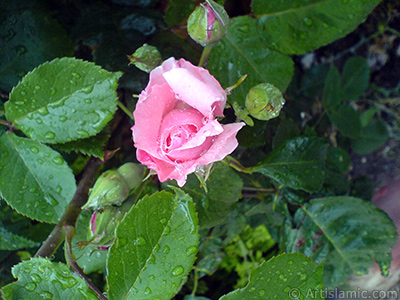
146, 58
208, 23
103, 224
114, 186
264, 101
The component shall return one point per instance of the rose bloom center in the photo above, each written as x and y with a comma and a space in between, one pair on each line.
180, 138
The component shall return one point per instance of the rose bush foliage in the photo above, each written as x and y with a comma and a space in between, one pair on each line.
176, 128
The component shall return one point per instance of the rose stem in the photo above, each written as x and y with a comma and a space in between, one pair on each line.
73, 210
204, 56
125, 110
2, 122
69, 235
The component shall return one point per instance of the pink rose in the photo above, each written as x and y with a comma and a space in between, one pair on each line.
175, 127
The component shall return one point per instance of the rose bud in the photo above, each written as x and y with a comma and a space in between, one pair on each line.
146, 58
176, 130
264, 101
114, 186
103, 224
208, 23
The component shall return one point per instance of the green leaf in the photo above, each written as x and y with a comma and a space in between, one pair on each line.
237, 55
34, 179
287, 276
346, 119
29, 38
332, 92
224, 189
336, 165
10, 241
38, 279
91, 146
155, 248
355, 78
63, 100
372, 137
344, 231
297, 163
178, 11
296, 27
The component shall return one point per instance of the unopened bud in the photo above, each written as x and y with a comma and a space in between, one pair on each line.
264, 101
114, 186
146, 58
208, 23
103, 224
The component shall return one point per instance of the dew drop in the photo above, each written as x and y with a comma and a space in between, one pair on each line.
46, 295
88, 101
43, 111
261, 293
58, 160
39, 120
50, 135
30, 286
82, 133
34, 149
36, 278
76, 75
53, 91
88, 89
178, 270
63, 118
139, 241
167, 230
191, 250
59, 190
152, 277
147, 290
19, 103
166, 249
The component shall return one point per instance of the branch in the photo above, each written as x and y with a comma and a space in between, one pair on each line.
73, 210
70, 232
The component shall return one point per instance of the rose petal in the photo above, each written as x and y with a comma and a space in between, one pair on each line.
148, 114
210, 129
190, 87
224, 144
205, 76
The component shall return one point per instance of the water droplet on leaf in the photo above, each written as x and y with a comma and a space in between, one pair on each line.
178, 270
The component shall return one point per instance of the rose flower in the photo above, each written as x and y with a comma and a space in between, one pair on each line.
176, 130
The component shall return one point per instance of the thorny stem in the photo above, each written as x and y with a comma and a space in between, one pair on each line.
204, 56
125, 110
257, 189
69, 235
73, 210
